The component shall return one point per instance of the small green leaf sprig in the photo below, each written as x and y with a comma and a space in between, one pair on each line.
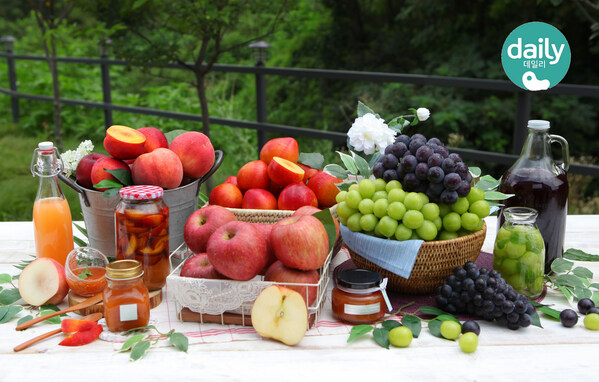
123, 178
139, 344
574, 281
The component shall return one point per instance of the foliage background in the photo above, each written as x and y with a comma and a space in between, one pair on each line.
435, 37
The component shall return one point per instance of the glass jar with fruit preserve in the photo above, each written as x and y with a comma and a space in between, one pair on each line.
141, 219
359, 296
126, 298
519, 252
538, 182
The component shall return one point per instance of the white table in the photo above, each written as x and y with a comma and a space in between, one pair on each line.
527, 354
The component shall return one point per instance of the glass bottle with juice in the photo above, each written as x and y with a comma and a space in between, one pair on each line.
52, 223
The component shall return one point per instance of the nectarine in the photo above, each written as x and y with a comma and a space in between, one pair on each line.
123, 142
160, 167
286, 148
195, 151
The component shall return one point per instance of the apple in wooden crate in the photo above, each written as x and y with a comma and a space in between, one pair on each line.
280, 313
226, 195
199, 267
202, 223
278, 272
286, 148
300, 242
123, 142
43, 281
161, 167
195, 151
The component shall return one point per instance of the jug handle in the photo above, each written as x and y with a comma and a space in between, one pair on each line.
218, 155
565, 150
75, 187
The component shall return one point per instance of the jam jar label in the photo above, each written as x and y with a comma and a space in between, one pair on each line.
128, 312
359, 310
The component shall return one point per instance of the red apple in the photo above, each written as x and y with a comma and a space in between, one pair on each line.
259, 199
199, 267
232, 179
99, 168
308, 172
84, 169
280, 273
284, 172
274, 188
310, 210
42, 282
325, 189
286, 148
295, 196
154, 139
226, 195
300, 242
253, 174
265, 230
202, 223
195, 151
237, 250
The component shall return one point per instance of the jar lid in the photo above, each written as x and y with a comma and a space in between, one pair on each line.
141, 192
359, 279
124, 269
45, 146
538, 124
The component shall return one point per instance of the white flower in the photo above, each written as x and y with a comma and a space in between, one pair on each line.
370, 134
71, 158
423, 113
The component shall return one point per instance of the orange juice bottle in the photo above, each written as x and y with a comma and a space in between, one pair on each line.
52, 224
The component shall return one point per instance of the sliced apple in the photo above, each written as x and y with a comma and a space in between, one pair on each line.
284, 172
281, 314
43, 282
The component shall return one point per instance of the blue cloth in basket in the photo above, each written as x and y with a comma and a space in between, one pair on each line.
395, 256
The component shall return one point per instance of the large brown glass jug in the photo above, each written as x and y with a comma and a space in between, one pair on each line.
538, 182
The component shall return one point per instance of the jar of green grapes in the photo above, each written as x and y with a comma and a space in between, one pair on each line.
519, 252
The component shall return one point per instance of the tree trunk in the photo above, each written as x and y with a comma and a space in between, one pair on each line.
201, 90
52, 64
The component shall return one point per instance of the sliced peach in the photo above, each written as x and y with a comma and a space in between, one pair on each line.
130, 250
284, 172
157, 249
123, 142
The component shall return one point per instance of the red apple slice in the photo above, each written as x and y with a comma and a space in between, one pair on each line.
43, 282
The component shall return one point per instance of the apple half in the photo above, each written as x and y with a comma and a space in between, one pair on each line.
281, 314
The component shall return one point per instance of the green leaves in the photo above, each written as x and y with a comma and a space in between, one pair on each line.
381, 336
434, 326
178, 340
314, 160
574, 281
413, 323
561, 265
131, 341
579, 255
9, 296
139, 350
363, 109
84, 274
140, 343
358, 331
362, 165
327, 221
349, 163
8, 312
5, 278
336, 171
173, 134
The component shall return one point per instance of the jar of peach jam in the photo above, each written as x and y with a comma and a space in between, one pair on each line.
359, 296
126, 298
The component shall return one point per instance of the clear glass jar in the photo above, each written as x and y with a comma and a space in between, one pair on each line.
519, 252
358, 297
126, 298
142, 233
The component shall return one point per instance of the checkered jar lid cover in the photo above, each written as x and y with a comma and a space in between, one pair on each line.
141, 192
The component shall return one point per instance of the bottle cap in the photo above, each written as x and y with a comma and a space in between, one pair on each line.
141, 192
538, 124
124, 269
45, 146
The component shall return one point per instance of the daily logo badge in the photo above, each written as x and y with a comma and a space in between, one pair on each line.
536, 56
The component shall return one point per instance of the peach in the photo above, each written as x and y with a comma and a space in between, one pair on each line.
274, 188
226, 195
308, 172
253, 174
195, 151
295, 196
154, 139
259, 199
284, 172
324, 186
84, 169
99, 173
43, 281
285, 148
232, 179
161, 167
123, 142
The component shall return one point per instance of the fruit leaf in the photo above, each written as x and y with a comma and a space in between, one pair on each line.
51, 307
475, 171
79, 242
24, 263
447, 317
363, 109
358, 331
552, 313
434, 326
84, 274
344, 186
109, 193
349, 162
381, 336
141, 328
108, 183
570, 280
487, 183
24, 319
496, 195
179, 341
362, 165
579, 255
5, 278
51, 320
581, 293
9, 296
326, 219
314, 160
81, 229
390, 324
594, 285
173, 134
583, 272
595, 298
566, 291
336, 171
373, 159
536, 321
122, 175
413, 323
561, 265
139, 350
8, 312
397, 124
431, 310
131, 341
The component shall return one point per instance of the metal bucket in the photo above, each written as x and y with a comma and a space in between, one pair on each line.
98, 212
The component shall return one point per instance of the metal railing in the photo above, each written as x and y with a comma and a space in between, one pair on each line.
522, 115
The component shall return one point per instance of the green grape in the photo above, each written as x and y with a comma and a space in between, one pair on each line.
353, 222
345, 211
475, 195
366, 188
403, 233
503, 234
430, 211
480, 208
509, 267
438, 223
451, 329
452, 222
461, 206
444, 209
377, 232
516, 281
340, 197
400, 337
423, 197
393, 185
468, 342
591, 321
387, 226
368, 222
396, 210
380, 208
446, 235
379, 195
413, 201
415, 235
366, 206
380, 184
427, 231
413, 219
470, 221
514, 250
353, 187
353, 199
396, 195
343, 221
